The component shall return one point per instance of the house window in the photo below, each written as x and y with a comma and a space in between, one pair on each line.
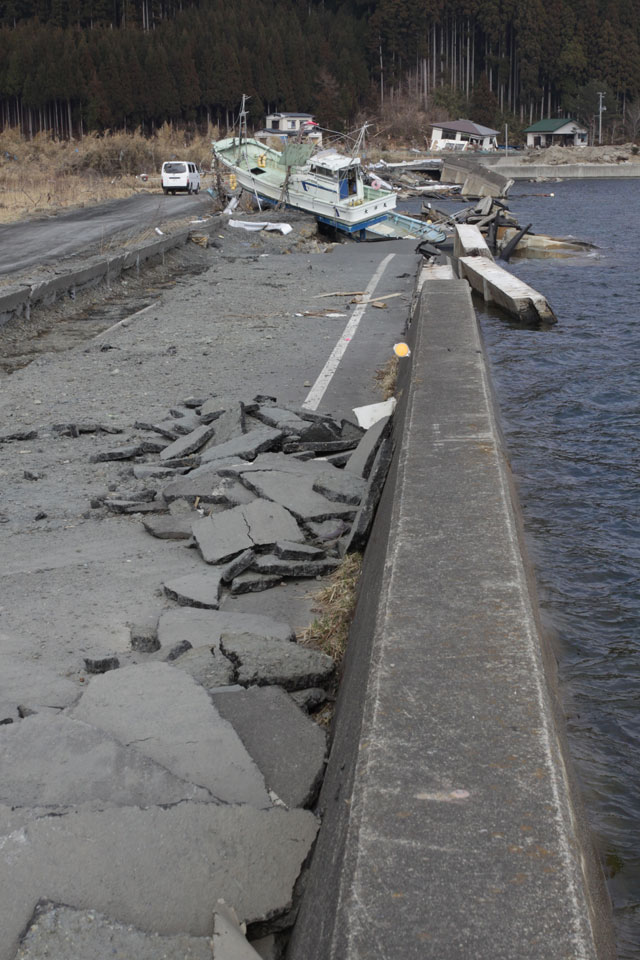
292, 124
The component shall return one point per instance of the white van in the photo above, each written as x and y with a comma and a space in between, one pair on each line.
180, 175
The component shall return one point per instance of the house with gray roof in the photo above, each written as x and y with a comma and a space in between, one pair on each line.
461, 135
561, 132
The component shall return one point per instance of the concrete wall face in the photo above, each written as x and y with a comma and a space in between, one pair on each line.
449, 829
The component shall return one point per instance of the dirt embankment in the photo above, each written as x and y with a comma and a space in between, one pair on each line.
627, 153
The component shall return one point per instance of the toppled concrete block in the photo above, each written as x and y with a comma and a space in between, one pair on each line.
263, 662
359, 534
58, 932
205, 627
196, 590
237, 566
288, 748
186, 858
229, 425
187, 444
168, 717
229, 940
55, 761
260, 523
362, 458
33, 685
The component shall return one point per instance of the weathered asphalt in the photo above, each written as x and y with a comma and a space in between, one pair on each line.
43, 242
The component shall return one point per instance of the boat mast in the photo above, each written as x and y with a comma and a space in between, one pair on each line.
242, 125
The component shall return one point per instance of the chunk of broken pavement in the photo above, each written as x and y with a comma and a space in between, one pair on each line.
122, 453
34, 685
186, 858
263, 661
253, 583
168, 717
55, 761
270, 564
295, 491
205, 627
229, 425
169, 528
102, 665
207, 665
247, 446
187, 444
288, 748
144, 638
222, 537
196, 590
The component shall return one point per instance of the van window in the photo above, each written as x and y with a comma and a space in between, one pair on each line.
175, 168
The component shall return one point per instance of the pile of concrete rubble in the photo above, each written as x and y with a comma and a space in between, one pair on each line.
165, 810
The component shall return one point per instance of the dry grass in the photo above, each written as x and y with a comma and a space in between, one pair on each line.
386, 378
43, 175
335, 606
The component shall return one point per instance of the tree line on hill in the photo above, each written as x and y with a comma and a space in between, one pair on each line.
69, 66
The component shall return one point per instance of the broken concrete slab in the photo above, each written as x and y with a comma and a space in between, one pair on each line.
237, 566
288, 748
101, 664
341, 486
144, 638
261, 523
362, 458
319, 448
310, 699
297, 494
135, 506
322, 431
269, 564
247, 446
56, 761
58, 932
253, 583
285, 420
122, 453
145, 471
264, 662
188, 444
208, 667
207, 486
359, 533
205, 627
33, 685
196, 590
229, 940
328, 529
169, 528
276, 461
213, 408
285, 550
229, 425
186, 858
166, 429
168, 717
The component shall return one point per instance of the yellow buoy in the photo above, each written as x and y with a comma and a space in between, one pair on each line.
233, 183
401, 350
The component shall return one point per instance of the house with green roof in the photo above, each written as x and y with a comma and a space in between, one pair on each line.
559, 132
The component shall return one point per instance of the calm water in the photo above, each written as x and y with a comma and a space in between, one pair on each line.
570, 410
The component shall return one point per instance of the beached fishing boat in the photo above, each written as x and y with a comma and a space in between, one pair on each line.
326, 183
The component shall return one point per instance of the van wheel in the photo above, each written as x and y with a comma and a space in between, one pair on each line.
165, 190
197, 190
189, 189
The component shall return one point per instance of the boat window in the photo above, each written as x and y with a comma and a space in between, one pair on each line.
257, 170
323, 171
175, 168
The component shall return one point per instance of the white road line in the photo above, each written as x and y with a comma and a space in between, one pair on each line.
318, 390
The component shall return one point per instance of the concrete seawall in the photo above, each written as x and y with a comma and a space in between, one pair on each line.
451, 827
564, 171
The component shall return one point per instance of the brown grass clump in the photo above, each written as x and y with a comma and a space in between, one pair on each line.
43, 175
386, 378
335, 606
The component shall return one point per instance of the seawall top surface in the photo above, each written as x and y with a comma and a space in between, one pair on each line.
454, 836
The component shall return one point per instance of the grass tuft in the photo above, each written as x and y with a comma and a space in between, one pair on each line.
387, 377
335, 605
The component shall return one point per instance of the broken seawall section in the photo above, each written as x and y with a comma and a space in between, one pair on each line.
451, 824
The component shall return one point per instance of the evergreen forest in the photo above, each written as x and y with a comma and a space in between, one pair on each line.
72, 66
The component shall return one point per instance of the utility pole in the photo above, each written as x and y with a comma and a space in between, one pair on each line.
600, 111
506, 139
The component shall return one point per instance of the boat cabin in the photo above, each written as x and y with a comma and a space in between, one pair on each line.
346, 172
